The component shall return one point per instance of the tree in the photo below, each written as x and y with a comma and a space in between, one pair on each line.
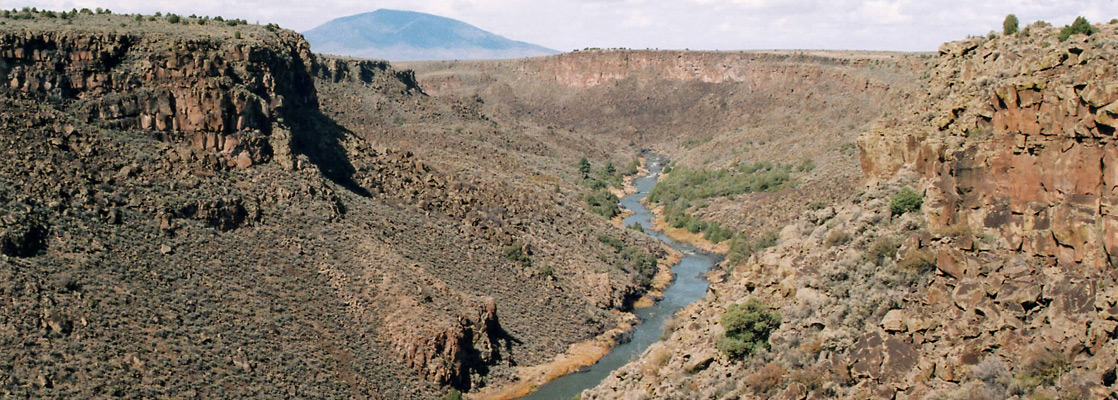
584, 167
1009, 26
1080, 26
610, 169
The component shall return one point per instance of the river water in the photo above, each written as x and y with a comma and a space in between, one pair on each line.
688, 286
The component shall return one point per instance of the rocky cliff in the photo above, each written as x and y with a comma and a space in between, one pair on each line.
1019, 144
182, 218
1001, 286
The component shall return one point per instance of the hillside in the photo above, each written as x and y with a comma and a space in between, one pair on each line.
406, 35
182, 217
703, 109
1000, 286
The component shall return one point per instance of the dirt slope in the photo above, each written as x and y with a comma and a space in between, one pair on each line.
181, 218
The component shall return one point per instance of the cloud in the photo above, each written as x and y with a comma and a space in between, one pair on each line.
637, 19
884, 12
696, 24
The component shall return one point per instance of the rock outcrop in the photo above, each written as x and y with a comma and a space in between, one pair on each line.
1002, 286
1018, 141
223, 96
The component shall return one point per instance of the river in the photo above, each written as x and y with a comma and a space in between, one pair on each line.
688, 286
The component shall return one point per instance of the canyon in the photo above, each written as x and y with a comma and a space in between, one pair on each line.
197, 209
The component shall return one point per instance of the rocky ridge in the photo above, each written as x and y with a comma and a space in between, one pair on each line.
1000, 288
182, 218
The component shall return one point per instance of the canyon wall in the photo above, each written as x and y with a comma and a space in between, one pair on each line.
1017, 139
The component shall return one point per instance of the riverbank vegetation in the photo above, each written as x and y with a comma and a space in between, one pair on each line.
600, 199
683, 186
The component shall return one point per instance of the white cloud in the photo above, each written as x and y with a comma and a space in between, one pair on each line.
637, 19
885, 12
695, 24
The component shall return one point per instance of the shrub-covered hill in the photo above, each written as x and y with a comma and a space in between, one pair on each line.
182, 218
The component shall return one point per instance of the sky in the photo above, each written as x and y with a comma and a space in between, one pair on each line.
902, 25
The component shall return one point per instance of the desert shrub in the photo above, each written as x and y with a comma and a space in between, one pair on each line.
636, 226
715, 233
807, 165
748, 327
515, 253
883, 248
1114, 21
173, 18
1009, 26
836, 238
1042, 369
917, 261
992, 370
906, 200
1080, 26
766, 240
766, 380
138, 18
740, 248
913, 267
603, 203
612, 242
237, 35
272, 27
453, 394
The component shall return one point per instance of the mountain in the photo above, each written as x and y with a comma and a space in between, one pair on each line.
407, 36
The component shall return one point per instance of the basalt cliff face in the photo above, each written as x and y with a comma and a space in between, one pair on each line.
1001, 286
1019, 143
182, 218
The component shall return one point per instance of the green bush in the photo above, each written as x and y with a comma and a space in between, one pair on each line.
515, 253
612, 242
173, 18
603, 203
767, 240
1009, 26
453, 394
1080, 26
748, 327
584, 167
740, 248
636, 226
633, 167
906, 200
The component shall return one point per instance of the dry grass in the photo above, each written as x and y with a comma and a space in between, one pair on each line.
685, 236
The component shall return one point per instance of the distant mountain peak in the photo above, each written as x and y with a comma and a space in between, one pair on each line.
398, 35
